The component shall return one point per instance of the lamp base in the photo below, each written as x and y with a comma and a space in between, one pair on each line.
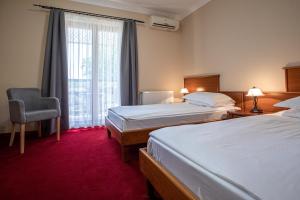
256, 110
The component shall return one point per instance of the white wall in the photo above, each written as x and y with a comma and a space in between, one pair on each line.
246, 41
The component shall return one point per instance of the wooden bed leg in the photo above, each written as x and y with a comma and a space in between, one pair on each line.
108, 133
151, 191
125, 153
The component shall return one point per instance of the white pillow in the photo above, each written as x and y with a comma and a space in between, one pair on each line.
197, 103
294, 112
210, 99
290, 103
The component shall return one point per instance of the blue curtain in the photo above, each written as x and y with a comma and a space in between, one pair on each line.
55, 72
129, 64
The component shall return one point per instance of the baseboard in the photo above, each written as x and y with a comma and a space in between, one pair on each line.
30, 127
18, 132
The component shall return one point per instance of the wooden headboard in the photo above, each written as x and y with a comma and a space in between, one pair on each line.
206, 83
238, 97
267, 101
211, 83
292, 79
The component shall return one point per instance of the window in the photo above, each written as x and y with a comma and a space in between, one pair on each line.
94, 50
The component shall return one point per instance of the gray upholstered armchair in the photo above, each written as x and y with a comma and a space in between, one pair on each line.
26, 105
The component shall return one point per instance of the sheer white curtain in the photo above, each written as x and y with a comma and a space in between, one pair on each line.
94, 50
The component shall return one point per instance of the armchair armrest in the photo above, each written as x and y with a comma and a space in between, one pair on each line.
17, 111
51, 103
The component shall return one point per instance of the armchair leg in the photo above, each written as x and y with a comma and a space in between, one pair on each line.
58, 128
22, 138
40, 129
12, 136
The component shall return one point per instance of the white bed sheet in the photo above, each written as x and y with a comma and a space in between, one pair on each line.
246, 158
129, 118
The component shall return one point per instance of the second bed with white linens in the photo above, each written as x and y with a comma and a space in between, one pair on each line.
128, 118
199, 107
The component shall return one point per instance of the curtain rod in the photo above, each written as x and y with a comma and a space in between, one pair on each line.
88, 13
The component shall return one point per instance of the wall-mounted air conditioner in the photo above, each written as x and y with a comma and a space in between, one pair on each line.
164, 23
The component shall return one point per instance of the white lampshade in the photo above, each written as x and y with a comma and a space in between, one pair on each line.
184, 91
255, 92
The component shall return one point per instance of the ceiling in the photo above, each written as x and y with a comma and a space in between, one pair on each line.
177, 9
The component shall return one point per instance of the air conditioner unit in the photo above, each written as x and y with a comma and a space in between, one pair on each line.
164, 23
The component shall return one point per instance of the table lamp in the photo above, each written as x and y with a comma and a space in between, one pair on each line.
184, 91
255, 93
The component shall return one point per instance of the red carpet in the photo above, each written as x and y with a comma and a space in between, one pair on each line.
84, 165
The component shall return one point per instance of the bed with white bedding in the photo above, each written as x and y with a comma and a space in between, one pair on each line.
131, 125
247, 158
130, 118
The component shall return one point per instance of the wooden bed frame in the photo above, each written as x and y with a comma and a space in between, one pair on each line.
292, 78
168, 186
129, 139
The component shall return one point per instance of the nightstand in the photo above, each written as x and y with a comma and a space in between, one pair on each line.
240, 113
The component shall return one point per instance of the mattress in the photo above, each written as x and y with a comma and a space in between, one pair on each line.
129, 118
246, 158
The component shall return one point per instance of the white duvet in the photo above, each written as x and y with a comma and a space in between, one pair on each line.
259, 156
163, 110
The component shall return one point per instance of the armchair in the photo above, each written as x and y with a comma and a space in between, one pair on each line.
26, 105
